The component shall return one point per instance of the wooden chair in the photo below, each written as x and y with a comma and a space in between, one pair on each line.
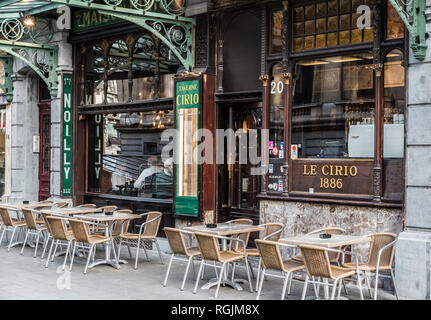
10, 224
380, 258
318, 266
82, 236
271, 258
210, 252
34, 228
147, 232
60, 236
179, 248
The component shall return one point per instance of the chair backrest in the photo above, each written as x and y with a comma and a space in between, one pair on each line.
270, 255
30, 221
47, 201
273, 228
109, 209
379, 241
121, 226
241, 221
208, 246
44, 217
243, 236
6, 217
80, 230
61, 204
57, 228
316, 261
151, 229
176, 241
88, 205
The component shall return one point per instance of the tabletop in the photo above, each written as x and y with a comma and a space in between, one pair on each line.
71, 211
226, 229
31, 205
101, 217
336, 241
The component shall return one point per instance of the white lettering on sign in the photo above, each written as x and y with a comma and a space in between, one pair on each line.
277, 87
66, 172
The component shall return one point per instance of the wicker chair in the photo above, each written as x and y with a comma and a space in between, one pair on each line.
60, 236
317, 265
270, 256
179, 248
34, 228
10, 224
82, 237
88, 205
61, 204
147, 232
380, 258
109, 209
209, 248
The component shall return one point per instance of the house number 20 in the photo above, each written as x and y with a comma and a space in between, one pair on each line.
277, 87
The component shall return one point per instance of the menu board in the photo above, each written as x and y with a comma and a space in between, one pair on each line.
276, 170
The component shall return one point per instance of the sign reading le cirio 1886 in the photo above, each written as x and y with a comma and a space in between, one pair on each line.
351, 177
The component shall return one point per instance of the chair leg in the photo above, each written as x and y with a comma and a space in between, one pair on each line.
198, 277
304, 291
137, 254
367, 279
220, 279
37, 244
67, 254
395, 286
130, 251
258, 274
376, 284
25, 241
233, 272
290, 284
49, 253
169, 270
119, 250
334, 289
2, 234
11, 239
339, 289
160, 252
247, 266
360, 284
259, 290
45, 245
89, 257
186, 273
55, 250
286, 280
73, 256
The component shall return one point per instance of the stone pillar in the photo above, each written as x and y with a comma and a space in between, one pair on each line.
413, 255
24, 125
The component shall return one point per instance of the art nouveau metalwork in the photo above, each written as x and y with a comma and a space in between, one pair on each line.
412, 12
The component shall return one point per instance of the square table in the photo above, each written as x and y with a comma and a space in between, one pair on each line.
107, 220
71, 211
225, 229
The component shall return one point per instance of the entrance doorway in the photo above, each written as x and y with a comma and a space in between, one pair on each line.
44, 142
238, 188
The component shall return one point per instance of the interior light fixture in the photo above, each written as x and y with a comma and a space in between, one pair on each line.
29, 22
312, 63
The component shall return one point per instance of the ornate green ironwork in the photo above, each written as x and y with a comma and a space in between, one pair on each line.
42, 59
412, 12
7, 86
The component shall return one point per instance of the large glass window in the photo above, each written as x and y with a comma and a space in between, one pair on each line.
333, 107
126, 156
277, 147
394, 126
329, 24
276, 41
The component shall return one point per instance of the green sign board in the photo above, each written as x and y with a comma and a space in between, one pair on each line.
98, 150
187, 101
67, 135
88, 19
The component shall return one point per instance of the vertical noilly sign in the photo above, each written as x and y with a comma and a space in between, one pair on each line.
67, 135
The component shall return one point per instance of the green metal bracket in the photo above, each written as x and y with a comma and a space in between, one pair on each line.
412, 12
42, 59
174, 30
7, 86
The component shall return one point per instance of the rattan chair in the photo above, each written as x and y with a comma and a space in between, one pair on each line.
88, 205
210, 252
10, 224
60, 236
109, 209
147, 232
83, 237
318, 266
271, 258
179, 248
61, 204
34, 228
380, 258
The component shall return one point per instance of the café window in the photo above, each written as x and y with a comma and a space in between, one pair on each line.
394, 126
395, 25
277, 147
276, 22
329, 24
333, 107
125, 155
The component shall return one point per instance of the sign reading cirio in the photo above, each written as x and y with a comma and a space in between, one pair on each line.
353, 177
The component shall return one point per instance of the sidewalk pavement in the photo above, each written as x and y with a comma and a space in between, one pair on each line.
25, 277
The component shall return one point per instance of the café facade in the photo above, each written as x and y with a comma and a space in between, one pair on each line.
331, 87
